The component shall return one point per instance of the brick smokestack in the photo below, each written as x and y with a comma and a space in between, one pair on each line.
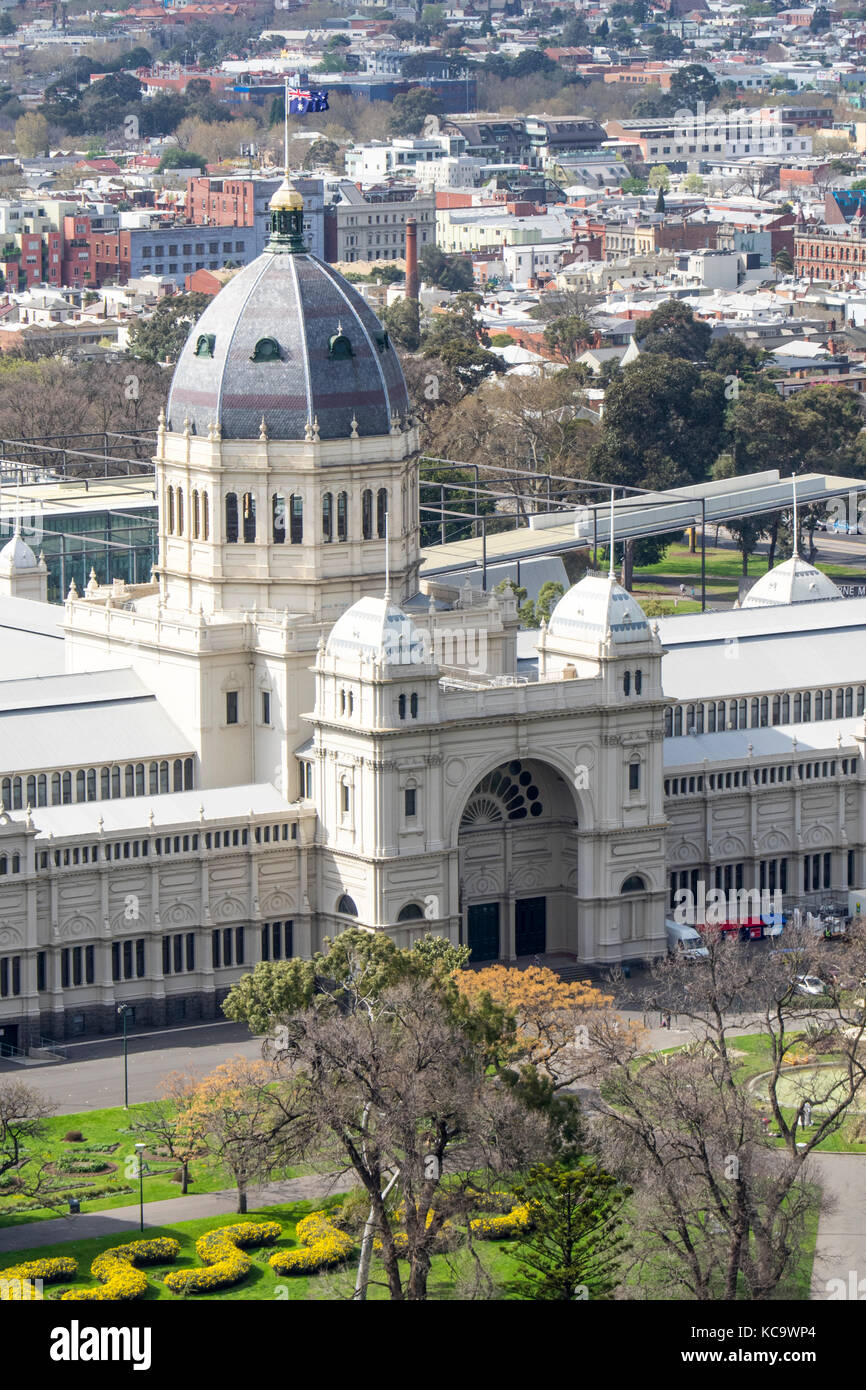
411, 258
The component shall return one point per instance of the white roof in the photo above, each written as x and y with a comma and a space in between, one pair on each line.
172, 809
779, 647
103, 722
794, 581
32, 636
773, 741
17, 555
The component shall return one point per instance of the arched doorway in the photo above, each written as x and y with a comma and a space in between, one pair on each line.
518, 847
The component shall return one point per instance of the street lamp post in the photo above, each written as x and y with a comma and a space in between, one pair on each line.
123, 1010
139, 1149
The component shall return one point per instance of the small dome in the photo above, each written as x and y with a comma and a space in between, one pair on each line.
794, 581
286, 198
376, 629
17, 555
598, 609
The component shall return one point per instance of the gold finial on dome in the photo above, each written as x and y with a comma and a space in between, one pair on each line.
286, 198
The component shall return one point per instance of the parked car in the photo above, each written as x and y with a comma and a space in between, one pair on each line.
809, 984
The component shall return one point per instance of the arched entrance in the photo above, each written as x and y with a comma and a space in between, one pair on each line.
518, 848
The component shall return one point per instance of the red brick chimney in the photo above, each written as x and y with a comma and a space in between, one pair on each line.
411, 258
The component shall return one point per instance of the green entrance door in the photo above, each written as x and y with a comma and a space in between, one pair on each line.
483, 924
530, 926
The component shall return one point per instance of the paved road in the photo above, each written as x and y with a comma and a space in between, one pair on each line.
840, 1251
120, 1219
92, 1078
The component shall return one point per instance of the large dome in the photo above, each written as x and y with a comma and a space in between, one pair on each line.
598, 609
290, 342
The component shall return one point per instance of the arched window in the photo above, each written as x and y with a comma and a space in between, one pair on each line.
690, 719
139, 779
278, 515
187, 775
367, 514
828, 704
163, 777
633, 884
169, 510
266, 350
638, 682
634, 777
327, 517
41, 790
669, 722
401, 706
765, 711
626, 683
345, 797
342, 702
351, 704
129, 780
153, 779
296, 519
196, 515
177, 775
381, 511
840, 702
179, 512
205, 517
115, 782
342, 516
91, 784
7, 792
346, 906
410, 913
678, 721
55, 789
105, 784
786, 709
31, 791
231, 518
861, 699
777, 708
807, 706
849, 701
249, 518
413, 705
80, 789
67, 788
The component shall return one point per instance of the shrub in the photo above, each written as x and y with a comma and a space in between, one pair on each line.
79, 1163
227, 1263
73, 1136
116, 1268
323, 1245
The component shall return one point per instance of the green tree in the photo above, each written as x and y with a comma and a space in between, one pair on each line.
403, 322
322, 152
161, 337
673, 330
568, 336
577, 1239
633, 185
176, 158
409, 111
660, 177
784, 262
693, 183
31, 135
692, 84
660, 201
731, 357
549, 595
445, 272
663, 424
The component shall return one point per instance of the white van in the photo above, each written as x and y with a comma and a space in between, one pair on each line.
684, 940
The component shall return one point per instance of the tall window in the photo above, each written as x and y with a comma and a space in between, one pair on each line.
381, 510
205, 517
279, 518
231, 707
342, 516
327, 517
231, 518
169, 520
634, 777
249, 518
367, 514
179, 512
196, 516
296, 519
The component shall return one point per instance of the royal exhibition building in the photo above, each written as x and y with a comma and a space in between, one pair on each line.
285, 732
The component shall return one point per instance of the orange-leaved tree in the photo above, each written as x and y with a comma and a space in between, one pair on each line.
552, 1015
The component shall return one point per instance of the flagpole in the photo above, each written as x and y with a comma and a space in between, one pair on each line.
286, 127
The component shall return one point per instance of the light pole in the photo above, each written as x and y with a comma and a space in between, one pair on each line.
123, 1010
139, 1149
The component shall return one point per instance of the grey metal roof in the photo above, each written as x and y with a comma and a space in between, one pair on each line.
169, 810
774, 741
300, 302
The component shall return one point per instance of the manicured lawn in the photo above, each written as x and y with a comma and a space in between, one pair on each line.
724, 568
262, 1283
103, 1127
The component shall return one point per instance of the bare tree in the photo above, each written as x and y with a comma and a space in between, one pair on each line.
23, 1112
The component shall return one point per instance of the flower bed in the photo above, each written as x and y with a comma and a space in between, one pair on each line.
504, 1227
117, 1272
14, 1280
220, 1251
323, 1245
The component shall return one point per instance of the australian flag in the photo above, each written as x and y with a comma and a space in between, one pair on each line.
300, 101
